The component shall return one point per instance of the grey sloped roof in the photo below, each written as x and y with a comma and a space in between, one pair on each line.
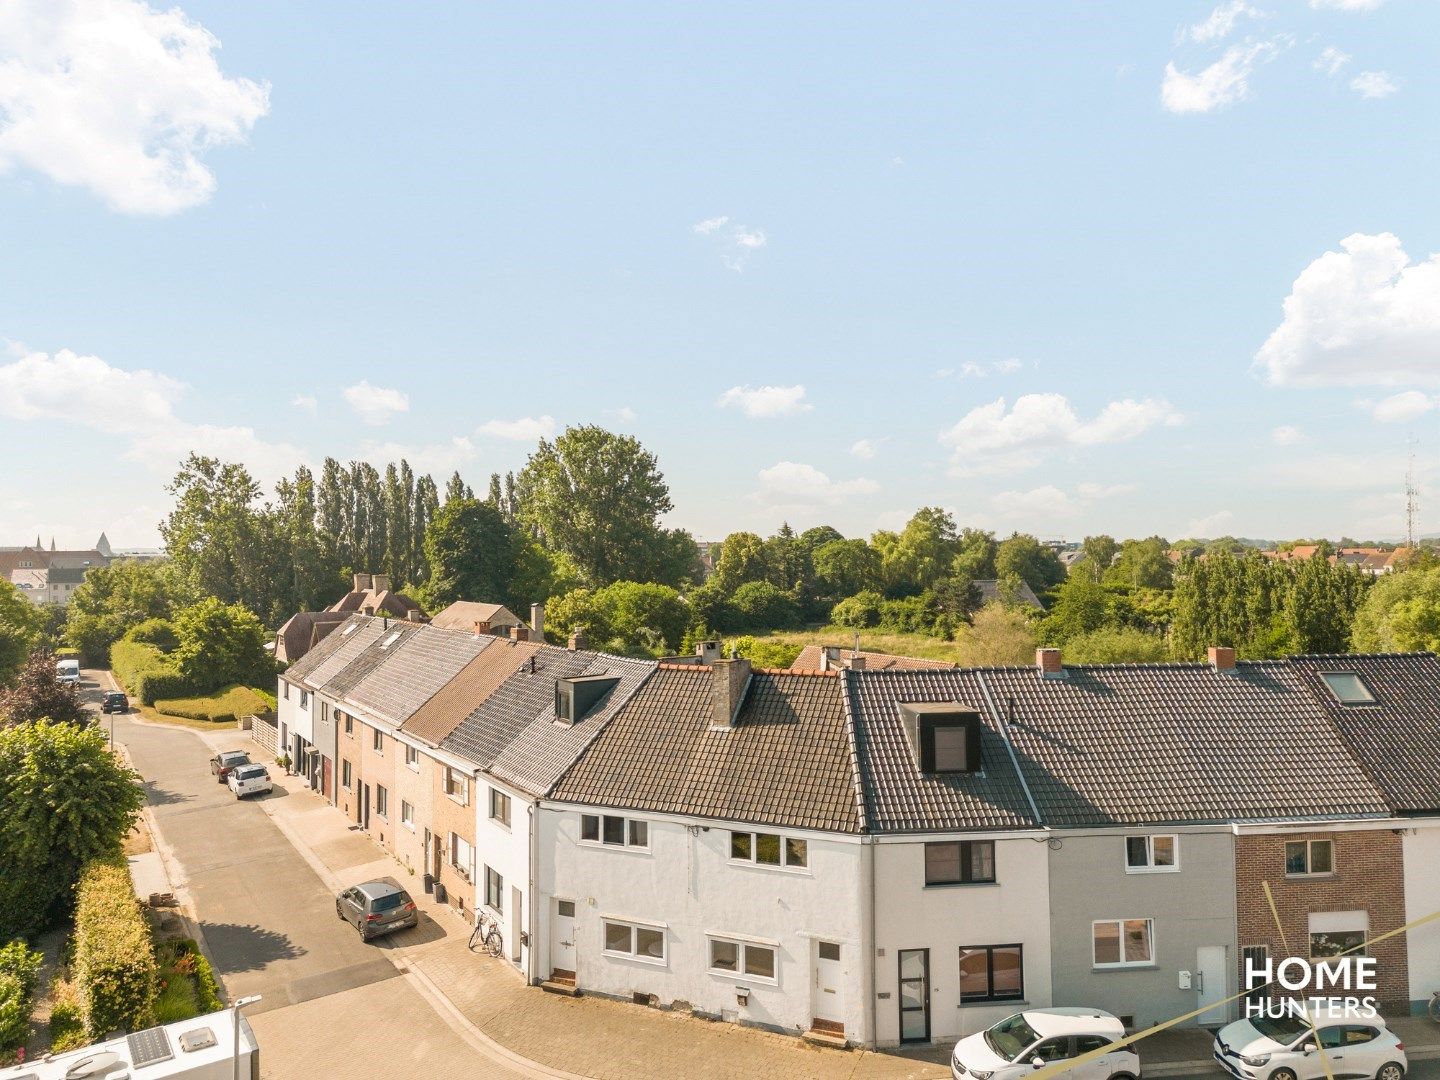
1178, 743
330, 656
509, 708
375, 652
1397, 739
543, 749
898, 797
419, 665
441, 715
786, 761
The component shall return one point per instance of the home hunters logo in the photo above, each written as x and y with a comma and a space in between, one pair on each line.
1350, 980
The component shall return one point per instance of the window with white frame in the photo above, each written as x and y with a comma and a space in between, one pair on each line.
633, 940
494, 890
457, 785
462, 855
729, 956
1306, 858
347, 777
324, 711
285, 687
769, 849
412, 756
382, 801
305, 699
611, 830
499, 807
1123, 943
1152, 854
377, 740
407, 815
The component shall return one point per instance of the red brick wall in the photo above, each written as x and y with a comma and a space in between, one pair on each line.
1368, 876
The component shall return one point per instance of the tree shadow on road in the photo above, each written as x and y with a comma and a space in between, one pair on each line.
237, 948
156, 795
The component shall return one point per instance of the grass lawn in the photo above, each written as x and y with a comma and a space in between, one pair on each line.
920, 645
223, 706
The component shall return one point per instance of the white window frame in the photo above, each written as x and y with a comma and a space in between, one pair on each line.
1149, 867
499, 881
466, 871
742, 947
1309, 859
627, 832
407, 815
1122, 962
377, 741
663, 960
347, 775
412, 757
457, 786
499, 798
783, 864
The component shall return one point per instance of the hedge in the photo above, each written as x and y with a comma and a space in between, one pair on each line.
223, 706
147, 672
115, 967
67, 1019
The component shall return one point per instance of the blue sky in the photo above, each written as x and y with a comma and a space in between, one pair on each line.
1064, 268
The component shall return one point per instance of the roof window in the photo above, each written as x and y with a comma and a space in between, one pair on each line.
944, 736
390, 640
1348, 688
350, 629
577, 696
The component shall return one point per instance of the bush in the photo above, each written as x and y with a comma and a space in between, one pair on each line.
115, 967
223, 706
762, 605
14, 1012
157, 632
67, 1018
1117, 645
859, 611
23, 962
147, 672
765, 652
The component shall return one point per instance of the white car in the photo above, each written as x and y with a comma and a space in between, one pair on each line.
68, 671
249, 780
1266, 1048
1029, 1040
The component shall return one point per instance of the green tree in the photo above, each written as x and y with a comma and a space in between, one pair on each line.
742, 559
1116, 645
1323, 605
1096, 555
1400, 613
997, 635
845, 567
456, 488
312, 570
20, 628
114, 598
1081, 606
67, 800
760, 605
36, 694
221, 644
859, 611
1031, 561
624, 617
597, 497
921, 554
975, 555
471, 552
1143, 564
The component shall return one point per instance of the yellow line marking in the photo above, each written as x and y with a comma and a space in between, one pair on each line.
1314, 1031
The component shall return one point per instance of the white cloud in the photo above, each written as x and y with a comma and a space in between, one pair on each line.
1402, 407
437, 459
375, 405
1008, 366
1220, 22
1331, 60
972, 369
624, 414
866, 449
1103, 491
1346, 5
1035, 508
1286, 435
525, 429
709, 225
1224, 82
736, 242
306, 403
1345, 470
763, 402
1362, 316
119, 98
1373, 85
794, 483
989, 438
1211, 525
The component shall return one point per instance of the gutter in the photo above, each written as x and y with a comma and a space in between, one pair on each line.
1004, 725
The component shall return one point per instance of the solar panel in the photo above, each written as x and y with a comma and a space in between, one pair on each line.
149, 1046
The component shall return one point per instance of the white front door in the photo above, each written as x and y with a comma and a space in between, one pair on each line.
1210, 969
562, 936
829, 986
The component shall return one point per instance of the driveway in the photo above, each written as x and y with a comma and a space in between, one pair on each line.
332, 1005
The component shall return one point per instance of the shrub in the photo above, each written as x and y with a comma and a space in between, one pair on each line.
859, 611
157, 632
115, 965
14, 1012
223, 706
765, 652
1117, 645
67, 1019
23, 962
762, 605
147, 672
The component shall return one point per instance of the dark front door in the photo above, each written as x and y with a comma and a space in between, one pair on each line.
365, 806
914, 995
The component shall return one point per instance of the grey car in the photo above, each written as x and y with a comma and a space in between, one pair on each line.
377, 907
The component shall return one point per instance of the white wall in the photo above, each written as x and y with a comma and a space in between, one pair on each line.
1421, 849
1016, 909
687, 882
507, 850
296, 720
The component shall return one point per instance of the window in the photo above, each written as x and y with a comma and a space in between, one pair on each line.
382, 801
742, 958
992, 973
500, 807
390, 640
325, 711
1307, 857
457, 786
347, 779
412, 757
963, 862
407, 815
349, 725
305, 699
377, 740
829, 950
285, 688
768, 849
462, 858
1347, 688
950, 749
1123, 942
614, 831
1151, 854
494, 890
350, 629
565, 908
1337, 933
638, 942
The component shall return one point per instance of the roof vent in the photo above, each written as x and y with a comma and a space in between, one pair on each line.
197, 1039
1047, 662
1222, 659
575, 697
944, 736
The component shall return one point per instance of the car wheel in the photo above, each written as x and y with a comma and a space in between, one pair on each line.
338, 913
1283, 1074
1391, 1070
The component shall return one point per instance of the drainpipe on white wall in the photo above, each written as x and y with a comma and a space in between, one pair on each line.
531, 964
869, 968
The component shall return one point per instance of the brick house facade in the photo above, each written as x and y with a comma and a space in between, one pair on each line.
1325, 900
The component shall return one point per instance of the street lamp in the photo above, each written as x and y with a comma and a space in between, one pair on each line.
235, 1008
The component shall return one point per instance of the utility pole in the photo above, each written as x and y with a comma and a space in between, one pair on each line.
1411, 496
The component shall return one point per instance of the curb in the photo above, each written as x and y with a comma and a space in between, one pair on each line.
1429, 1052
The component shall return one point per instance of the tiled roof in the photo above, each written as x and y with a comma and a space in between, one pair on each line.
439, 716
786, 761
383, 643
810, 659
1397, 739
303, 630
991, 593
1177, 743
464, 614
526, 692
898, 797
414, 669
333, 652
384, 602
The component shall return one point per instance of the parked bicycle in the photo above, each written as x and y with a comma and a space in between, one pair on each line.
487, 935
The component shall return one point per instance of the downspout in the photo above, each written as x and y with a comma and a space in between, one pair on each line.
870, 844
532, 812
868, 840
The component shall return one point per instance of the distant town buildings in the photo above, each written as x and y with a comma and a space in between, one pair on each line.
49, 575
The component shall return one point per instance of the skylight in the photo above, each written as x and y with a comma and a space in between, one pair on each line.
350, 629
390, 640
1348, 688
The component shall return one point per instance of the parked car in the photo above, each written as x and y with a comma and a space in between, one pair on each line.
377, 907
1026, 1041
1266, 1048
114, 701
223, 762
249, 780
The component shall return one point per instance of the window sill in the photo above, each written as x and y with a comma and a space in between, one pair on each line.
763, 980
415, 768
1152, 869
961, 885
409, 825
1148, 965
632, 958
632, 849
798, 871
1324, 875
500, 824
990, 1003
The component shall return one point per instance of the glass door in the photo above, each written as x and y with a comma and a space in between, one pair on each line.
914, 995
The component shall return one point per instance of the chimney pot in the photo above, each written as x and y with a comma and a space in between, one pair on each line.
1222, 659
519, 633
368, 609
413, 615
729, 678
1047, 662
537, 621
578, 639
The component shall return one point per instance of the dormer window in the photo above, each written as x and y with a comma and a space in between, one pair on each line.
577, 696
944, 736
1348, 688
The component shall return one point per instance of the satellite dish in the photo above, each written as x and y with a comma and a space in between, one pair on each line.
94, 1065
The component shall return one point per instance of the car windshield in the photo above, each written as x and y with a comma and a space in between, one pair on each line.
234, 757
1284, 1029
1011, 1036
388, 902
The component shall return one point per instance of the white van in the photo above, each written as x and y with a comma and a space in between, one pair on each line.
67, 671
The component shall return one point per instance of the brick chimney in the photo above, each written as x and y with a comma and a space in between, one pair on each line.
519, 633
855, 663
1222, 659
380, 582
482, 627
537, 621
829, 657
1047, 662
414, 615
362, 582
578, 639
729, 678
